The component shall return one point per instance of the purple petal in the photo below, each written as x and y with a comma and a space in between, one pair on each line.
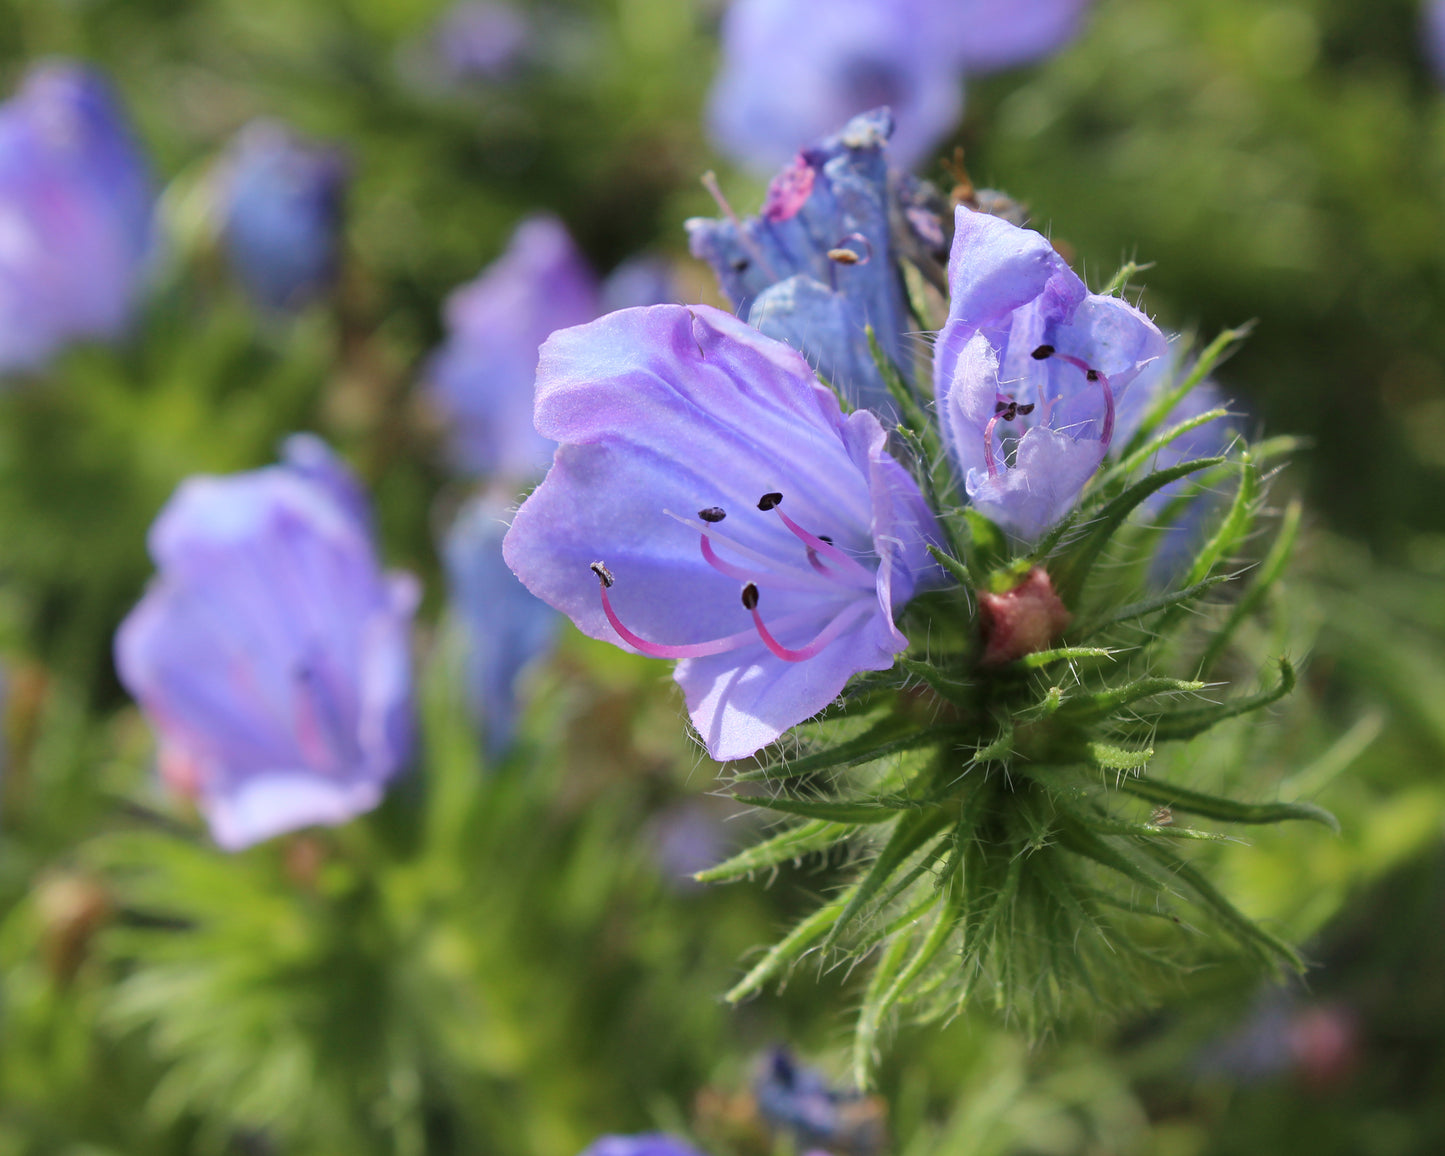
993, 34
647, 1144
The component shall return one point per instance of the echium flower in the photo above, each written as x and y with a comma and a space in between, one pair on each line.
271, 654
642, 1144
280, 207
1028, 372
76, 209
815, 268
711, 503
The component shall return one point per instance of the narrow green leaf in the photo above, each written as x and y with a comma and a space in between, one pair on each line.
1222, 809
790, 948
1131, 462
1120, 280
959, 693
1063, 654
1164, 405
861, 813
872, 1011
1177, 726
879, 741
956, 568
911, 832
1234, 527
1268, 574
1107, 757
1108, 701
804, 839
1148, 606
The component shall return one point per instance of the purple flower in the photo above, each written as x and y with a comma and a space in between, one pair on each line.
481, 39
638, 281
481, 378
646, 1144
1433, 28
271, 653
815, 267
711, 503
504, 627
280, 208
794, 70
76, 206
1028, 371
992, 34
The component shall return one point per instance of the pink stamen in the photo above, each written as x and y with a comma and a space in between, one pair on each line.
827, 549
988, 446
1107, 434
709, 182
663, 650
828, 634
776, 574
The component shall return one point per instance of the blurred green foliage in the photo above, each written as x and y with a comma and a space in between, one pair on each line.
494, 962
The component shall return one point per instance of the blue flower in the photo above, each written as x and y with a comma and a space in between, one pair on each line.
993, 34
1028, 371
645, 1144
76, 208
281, 205
800, 1100
816, 267
481, 378
480, 39
711, 503
504, 627
271, 654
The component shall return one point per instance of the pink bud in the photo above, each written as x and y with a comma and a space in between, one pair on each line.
1022, 620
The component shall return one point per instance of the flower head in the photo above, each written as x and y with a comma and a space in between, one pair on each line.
1433, 27
794, 70
801, 1100
76, 205
504, 627
711, 503
280, 208
1028, 371
270, 653
992, 34
816, 267
481, 39
481, 378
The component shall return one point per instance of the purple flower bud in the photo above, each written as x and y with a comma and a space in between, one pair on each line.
793, 70
815, 268
481, 378
76, 206
281, 205
646, 1144
1028, 371
711, 503
504, 627
479, 39
270, 653
992, 34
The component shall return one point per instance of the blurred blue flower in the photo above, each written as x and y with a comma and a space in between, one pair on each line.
794, 70
639, 281
280, 208
703, 460
815, 267
1028, 371
481, 378
645, 1144
1434, 29
271, 654
992, 34
504, 627
800, 1100
76, 209
480, 39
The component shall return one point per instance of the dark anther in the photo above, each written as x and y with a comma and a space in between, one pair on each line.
768, 501
1000, 406
1007, 412
1092, 375
604, 575
844, 256
1025, 409
740, 265
712, 514
825, 538
1043, 352
750, 597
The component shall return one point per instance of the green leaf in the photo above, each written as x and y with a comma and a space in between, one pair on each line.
877, 742
1185, 724
832, 812
912, 831
1222, 809
1106, 702
804, 839
1041, 658
1148, 606
1269, 573
790, 948
1164, 405
1107, 757
1131, 462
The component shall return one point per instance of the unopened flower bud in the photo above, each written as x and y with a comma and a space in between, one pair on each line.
1022, 620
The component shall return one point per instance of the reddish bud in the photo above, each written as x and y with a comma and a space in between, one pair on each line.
1022, 620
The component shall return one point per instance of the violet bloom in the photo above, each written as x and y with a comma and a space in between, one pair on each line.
481, 378
76, 208
794, 70
645, 1144
271, 654
1028, 371
504, 627
480, 39
281, 212
816, 267
1434, 31
711, 503
801, 1100
993, 34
